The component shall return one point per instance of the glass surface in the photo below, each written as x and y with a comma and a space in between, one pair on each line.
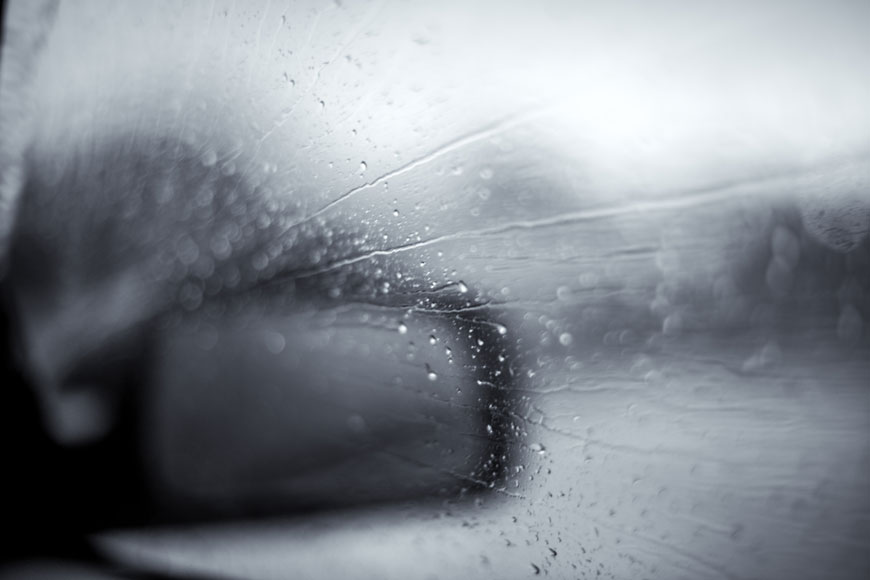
558, 288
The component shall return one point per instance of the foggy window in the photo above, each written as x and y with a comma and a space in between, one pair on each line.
388, 289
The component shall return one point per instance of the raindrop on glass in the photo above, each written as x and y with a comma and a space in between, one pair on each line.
356, 424
538, 448
209, 158
260, 261
274, 341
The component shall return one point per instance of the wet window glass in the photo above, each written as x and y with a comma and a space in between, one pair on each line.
419, 290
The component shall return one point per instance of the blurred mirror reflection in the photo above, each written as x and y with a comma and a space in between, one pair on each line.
391, 289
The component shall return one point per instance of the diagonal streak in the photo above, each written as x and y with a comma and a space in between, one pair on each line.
680, 201
285, 117
491, 130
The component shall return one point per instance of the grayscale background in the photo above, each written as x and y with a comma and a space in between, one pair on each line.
417, 290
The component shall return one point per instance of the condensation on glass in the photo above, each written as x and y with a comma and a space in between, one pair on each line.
566, 289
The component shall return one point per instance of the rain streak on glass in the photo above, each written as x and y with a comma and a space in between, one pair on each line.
565, 289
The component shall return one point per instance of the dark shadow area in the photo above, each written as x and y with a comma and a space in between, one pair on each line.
56, 495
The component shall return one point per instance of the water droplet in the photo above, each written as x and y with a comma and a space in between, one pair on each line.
430, 374
538, 448
462, 287
486, 173
363, 166
672, 325
204, 197
432, 339
164, 193
228, 168
501, 329
767, 356
395, 213
187, 251
264, 220
403, 329
356, 424
565, 339
274, 341
489, 429
260, 261
209, 158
